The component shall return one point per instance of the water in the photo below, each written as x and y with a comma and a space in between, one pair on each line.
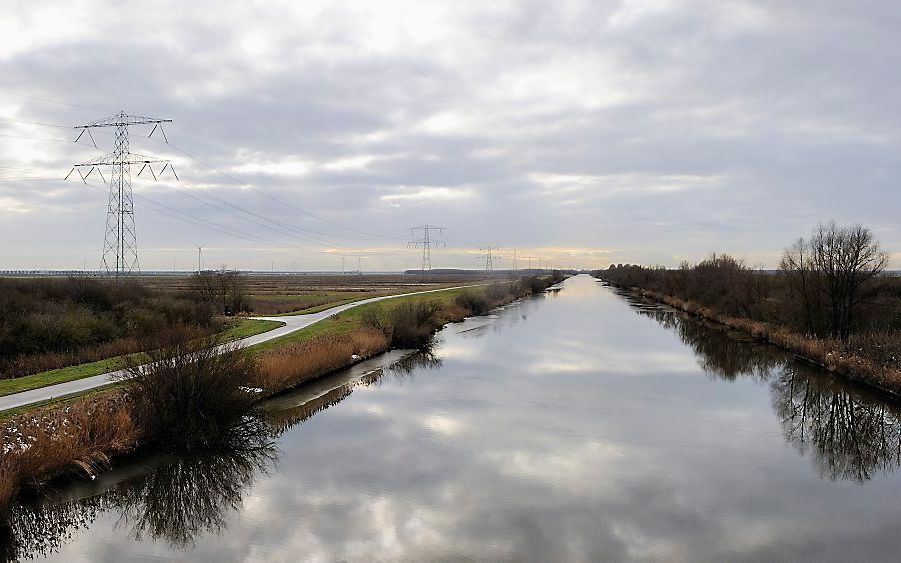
575, 425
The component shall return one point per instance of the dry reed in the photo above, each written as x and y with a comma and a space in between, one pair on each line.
287, 367
78, 438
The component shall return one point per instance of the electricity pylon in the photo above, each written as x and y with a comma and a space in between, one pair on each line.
120, 241
426, 241
489, 258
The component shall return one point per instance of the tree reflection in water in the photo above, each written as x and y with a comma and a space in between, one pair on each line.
851, 432
724, 354
174, 502
190, 496
854, 433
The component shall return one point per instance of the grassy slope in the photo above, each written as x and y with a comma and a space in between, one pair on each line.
242, 329
351, 319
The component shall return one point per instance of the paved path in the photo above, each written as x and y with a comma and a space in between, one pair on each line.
293, 323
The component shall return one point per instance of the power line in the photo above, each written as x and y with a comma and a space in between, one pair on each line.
262, 193
167, 211
49, 100
34, 122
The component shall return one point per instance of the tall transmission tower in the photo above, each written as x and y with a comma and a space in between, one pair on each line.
489, 257
426, 241
120, 241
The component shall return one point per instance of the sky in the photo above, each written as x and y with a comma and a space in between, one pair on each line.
312, 135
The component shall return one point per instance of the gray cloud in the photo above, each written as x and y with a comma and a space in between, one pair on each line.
655, 130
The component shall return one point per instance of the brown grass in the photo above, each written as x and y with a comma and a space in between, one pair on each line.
284, 368
78, 438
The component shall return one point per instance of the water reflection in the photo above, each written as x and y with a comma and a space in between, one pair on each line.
176, 501
725, 354
283, 419
181, 500
851, 432
493, 447
189, 496
425, 359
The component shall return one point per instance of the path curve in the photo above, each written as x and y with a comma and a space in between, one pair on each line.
293, 323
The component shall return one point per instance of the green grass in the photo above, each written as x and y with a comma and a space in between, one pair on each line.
248, 327
324, 306
240, 329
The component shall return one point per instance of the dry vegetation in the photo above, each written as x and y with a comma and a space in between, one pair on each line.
290, 366
79, 437
52, 323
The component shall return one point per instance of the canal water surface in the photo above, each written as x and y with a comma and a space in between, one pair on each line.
579, 424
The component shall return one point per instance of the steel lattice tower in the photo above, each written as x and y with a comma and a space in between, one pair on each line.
120, 241
489, 257
426, 242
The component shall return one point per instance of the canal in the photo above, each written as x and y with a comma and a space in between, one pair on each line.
578, 424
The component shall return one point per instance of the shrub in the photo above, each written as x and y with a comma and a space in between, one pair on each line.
412, 324
475, 303
63, 319
193, 395
498, 292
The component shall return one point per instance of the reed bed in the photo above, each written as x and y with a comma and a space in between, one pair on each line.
290, 366
78, 438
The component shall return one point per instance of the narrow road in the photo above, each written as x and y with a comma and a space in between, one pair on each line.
293, 323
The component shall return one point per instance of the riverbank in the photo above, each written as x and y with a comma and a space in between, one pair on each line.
83, 436
832, 355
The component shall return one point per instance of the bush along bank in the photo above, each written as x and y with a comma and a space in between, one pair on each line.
189, 397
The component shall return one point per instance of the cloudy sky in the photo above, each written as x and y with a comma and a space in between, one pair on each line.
646, 131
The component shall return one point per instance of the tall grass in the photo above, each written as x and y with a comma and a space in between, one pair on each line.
61, 440
289, 366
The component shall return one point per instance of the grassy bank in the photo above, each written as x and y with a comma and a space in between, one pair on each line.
196, 399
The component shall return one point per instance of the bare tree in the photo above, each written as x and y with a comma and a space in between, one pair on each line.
831, 271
